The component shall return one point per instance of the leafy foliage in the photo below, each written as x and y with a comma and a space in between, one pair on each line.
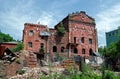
5, 37
102, 50
61, 29
112, 51
19, 47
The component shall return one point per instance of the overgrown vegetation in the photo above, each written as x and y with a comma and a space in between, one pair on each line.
21, 72
112, 52
41, 51
61, 29
87, 73
59, 58
19, 47
5, 37
73, 73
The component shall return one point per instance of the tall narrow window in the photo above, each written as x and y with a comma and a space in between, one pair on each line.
29, 44
83, 51
54, 49
31, 33
90, 52
74, 39
82, 40
75, 50
62, 49
90, 41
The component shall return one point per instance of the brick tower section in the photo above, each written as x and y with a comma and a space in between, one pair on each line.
82, 31
31, 37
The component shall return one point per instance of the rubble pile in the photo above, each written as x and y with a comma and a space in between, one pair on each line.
29, 72
8, 56
36, 73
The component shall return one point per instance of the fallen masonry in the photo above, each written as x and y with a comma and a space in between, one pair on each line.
7, 56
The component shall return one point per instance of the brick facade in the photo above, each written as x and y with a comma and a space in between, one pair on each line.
80, 37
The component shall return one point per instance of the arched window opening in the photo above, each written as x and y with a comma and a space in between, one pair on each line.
31, 33
62, 49
90, 52
42, 50
54, 49
75, 50
83, 51
90, 41
41, 45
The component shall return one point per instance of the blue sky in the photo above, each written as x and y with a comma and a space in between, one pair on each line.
14, 13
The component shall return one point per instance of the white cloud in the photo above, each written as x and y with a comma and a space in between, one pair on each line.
107, 20
47, 18
13, 17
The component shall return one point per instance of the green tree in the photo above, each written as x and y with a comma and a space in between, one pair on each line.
102, 50
5, 37
118, 49
112, 51
19, 47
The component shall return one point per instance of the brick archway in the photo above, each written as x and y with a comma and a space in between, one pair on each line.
54, 49
75, 50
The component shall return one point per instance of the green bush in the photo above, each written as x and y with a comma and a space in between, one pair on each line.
21, 72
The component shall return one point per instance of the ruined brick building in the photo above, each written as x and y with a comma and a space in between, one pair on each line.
80, 37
